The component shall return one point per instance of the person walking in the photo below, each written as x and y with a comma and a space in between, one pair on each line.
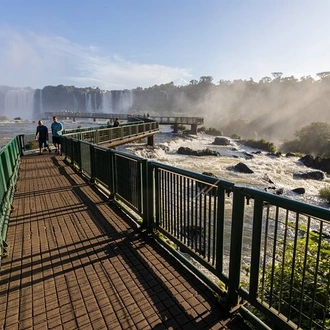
42, 136
57, 129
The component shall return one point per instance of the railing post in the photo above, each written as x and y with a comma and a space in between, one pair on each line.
93, 166
112, 174
255, 253
21, 143
148, 196
236, 246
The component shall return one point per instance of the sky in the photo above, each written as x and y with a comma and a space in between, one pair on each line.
125, 44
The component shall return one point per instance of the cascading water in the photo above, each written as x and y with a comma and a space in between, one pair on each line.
126, 100
19, 103
106, 105
75, 103
88, 102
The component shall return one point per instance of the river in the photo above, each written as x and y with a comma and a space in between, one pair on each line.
280, 170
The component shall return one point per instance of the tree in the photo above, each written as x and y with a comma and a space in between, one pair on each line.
277, 75
324, 75
311, 139
265, 80
205, 79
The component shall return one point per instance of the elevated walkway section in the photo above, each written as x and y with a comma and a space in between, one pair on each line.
76, 261
175, 121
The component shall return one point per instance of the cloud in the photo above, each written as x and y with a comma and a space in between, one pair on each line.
29, 59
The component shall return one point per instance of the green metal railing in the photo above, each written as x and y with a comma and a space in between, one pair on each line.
10, 156
249, 246
102, 135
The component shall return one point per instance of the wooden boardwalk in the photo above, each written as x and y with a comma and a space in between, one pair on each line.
76, 261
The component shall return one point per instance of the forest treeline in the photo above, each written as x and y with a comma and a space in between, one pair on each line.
274, 108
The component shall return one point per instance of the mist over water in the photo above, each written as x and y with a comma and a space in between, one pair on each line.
271, 109
18, 103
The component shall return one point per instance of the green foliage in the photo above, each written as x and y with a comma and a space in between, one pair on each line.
235, 136
260, 144
306, 267
31, 145
3, 118
325, 193
311, 139
213, 131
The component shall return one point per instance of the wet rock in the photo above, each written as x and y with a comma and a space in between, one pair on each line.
191, 152
242, 168
300, 191
221, 141
290, 154
312, 175
318, 163
248, 156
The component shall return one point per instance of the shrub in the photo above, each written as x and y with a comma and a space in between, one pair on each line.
325, 193
213, 131
32, 145
305, 265
235, 136
260, 144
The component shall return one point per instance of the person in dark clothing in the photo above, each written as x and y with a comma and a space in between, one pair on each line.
42, 136
116, 123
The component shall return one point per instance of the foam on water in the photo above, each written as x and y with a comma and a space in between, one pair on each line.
280, 170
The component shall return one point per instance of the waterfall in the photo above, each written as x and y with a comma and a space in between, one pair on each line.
41, 102
88, 102
75, 103
106, 105
125, 100
19, 103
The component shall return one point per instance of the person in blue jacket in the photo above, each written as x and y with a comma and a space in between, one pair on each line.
57, 129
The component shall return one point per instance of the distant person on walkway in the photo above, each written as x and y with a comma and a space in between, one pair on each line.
57, 129
116, 123
42, 136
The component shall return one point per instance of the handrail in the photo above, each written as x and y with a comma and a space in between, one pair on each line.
107, 135
243, 241
10, 156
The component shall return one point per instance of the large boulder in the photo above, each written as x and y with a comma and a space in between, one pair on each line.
299, 191
318, 163
191, 152
242, 168
221, 141
312, 175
